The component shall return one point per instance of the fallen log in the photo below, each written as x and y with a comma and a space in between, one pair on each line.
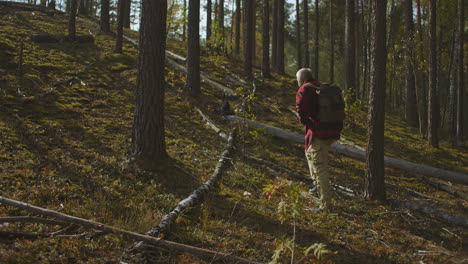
198, 194
452, 219
57, 38
411, 167
113, 230
202, 77
136, 251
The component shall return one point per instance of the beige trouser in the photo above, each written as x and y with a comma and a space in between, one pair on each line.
317, 158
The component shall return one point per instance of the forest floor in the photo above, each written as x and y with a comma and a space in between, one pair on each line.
67, 149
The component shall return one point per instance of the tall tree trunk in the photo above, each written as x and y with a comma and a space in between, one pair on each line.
332, 42
274, 37
67, 6
281, 33
298, 32
254, 35
193, 48
266, 39
148, 126
432, 135
350, 73
306, 33
72, 19
120, 19
375, 182
364, 50
105, 16
184, 23
411, 102
461, 50
452, 97
422, 93
316, 44
208, 21
249, 7
221, 24
127, 12
238, 26
83, 9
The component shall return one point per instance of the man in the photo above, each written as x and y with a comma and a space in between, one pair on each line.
318, 135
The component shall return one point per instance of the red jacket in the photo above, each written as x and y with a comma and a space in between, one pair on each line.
307, 108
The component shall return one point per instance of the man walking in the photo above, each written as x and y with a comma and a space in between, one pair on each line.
321, 130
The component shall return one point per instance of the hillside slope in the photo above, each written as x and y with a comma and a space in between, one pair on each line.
67, 149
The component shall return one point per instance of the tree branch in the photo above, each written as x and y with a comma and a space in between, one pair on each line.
110, 229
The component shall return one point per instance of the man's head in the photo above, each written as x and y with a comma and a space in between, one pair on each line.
304, 75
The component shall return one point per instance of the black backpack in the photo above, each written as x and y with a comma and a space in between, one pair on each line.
331, 106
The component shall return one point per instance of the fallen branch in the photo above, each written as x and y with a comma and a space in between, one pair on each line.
221, 87
212, 125
198, 194
358, 154
443, 187
30, 219
113, 230
271, 165
455, 220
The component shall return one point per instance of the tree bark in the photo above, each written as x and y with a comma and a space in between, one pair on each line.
274, 37
72, 19
193, 49
149, 136
109, 229
238, 26
421, 89
127, 14
411, 102
220, 21
306, 34
266, 39
350, 75
360, 154
375, 170
249, 7
460, 70
280, 38
83, 9
208, 20
332, 43
105, 27
316, 44
120, 21
298, 32
433, 110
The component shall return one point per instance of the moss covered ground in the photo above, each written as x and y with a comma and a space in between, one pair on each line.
70, 151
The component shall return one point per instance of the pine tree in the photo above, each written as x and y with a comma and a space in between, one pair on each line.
148, 127
266, 39
375, 183
298, 32
249, 7
120, 20
411, 102
306, 34
72, 19
193, 48
350, 74
105, 16
432, 134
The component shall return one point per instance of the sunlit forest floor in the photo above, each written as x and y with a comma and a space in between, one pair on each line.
68, 149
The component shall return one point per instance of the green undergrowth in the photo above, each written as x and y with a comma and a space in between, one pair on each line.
71, 151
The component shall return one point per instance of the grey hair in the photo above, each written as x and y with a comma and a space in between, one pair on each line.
305, 74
